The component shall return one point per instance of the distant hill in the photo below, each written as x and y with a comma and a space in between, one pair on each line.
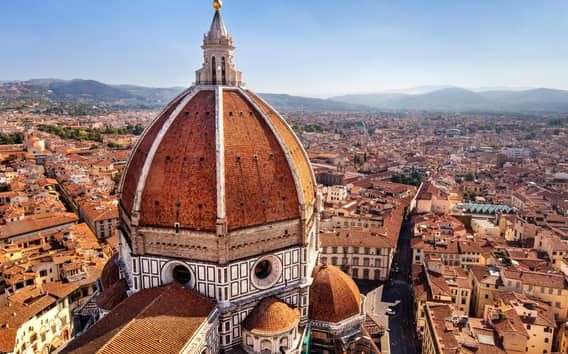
448, 99
287, 103
459, 99
129, 96
159, 96
371, 99
87, 93
540, 99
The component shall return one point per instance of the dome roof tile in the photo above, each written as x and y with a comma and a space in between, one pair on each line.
259, 186
271, 316
212, 146
334, 296
181, 182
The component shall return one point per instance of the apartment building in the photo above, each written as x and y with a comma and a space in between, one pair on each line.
361, 254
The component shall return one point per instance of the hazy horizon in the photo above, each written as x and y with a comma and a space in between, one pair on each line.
317, 48
409, 90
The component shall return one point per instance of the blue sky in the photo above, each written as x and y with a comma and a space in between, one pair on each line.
314, 47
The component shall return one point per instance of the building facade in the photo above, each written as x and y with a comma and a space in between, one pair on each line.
361, 254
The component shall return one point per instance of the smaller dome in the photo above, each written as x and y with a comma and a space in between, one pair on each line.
112, 295
334, 296
110, 274
271, 316
114, 289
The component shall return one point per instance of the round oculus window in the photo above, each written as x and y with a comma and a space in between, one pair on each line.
263, 269
181, 274
178, 272
266, 272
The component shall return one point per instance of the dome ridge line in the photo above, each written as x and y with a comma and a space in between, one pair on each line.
144, 133
220, 162
310, 196
304, 153
284, 147
153, 149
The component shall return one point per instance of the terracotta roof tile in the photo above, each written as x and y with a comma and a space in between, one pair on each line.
334, 296
138, 157
272, 316
157, 320
181, 183
296, 150
112, 295
35, 223
352, 237
14, 316
259, 187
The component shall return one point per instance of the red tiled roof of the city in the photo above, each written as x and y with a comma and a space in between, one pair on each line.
36, 223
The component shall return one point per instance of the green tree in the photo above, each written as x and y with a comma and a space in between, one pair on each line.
9, 139
113, 145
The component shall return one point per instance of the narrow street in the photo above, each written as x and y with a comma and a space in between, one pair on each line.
398, 290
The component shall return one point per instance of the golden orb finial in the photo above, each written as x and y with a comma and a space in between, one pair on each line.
217, 4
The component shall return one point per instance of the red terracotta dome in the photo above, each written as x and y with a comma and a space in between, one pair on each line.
217, 154
272, 316
334, 296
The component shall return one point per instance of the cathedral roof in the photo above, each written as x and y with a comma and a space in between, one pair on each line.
218, 157
147, 322
272, 316
334, 296
217, 154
